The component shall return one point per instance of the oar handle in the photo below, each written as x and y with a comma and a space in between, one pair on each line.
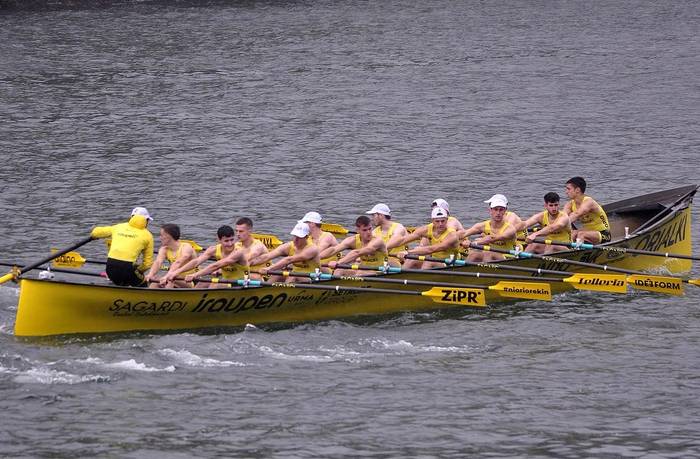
80, 243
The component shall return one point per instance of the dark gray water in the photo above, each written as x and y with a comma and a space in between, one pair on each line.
205, 113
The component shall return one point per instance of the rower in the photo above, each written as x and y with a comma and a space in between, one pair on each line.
300, 255
322, 239
496, 231
237, 268
452, 222
391, 232
365, 248
511, 217
583, 208
441, 241
130, 241
555, 226
177, 253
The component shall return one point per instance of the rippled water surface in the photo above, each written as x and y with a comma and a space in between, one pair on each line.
208, 112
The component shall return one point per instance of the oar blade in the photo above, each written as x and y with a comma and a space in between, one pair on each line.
270, 240
658, 284
694, 282
68, 260
525, 290
334, 228
612, 283
195, 246
464, 296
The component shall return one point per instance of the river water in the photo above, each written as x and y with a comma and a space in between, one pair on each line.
205, 112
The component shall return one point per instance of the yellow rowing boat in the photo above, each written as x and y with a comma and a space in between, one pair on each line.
654, 222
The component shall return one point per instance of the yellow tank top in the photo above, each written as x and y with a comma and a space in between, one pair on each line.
386, 237
234, 271
504, 244
563, 235
374, 259
325, 261
433, 239
522, 234
593, 221
307, 266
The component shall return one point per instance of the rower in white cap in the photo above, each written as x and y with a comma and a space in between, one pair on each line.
496, 231
391, 232
452, 222
300, 255
441, 241
322, 239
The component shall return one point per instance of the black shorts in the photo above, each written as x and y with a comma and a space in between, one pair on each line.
124, 273
605, 236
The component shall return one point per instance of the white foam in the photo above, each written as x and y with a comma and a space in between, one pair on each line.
304, 358
47, 376
130, 364
188, 358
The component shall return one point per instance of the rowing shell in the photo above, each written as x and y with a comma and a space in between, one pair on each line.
655, 222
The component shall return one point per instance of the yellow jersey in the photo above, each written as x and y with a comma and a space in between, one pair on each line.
173, 256
563, 235
306, 266
434, 239
593, 221
235, 270
374, 259
503, 244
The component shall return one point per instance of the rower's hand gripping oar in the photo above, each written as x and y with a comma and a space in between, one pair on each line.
642, 281
16, 274
613, 249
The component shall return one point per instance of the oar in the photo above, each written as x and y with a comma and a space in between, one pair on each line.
669, 285
525, 290
59, 270
450, 295
340, 230
16, 273
599, 282
583, 245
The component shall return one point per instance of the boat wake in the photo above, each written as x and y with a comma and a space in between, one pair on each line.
189, 359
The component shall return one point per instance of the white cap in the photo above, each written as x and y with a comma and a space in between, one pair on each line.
380, 209
301, 229
313, 217
439, 202
141, 211
439, 212
497, 200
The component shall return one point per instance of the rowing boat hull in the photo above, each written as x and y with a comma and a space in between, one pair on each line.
658, 222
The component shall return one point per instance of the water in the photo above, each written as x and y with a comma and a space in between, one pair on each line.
208, 112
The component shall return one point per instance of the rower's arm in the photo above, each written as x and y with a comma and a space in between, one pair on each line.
307, 254
204, 256
147, 255
265, 257
157, 264
530, 222
449, 242
414, 236
476, 229
396, 239
344, 245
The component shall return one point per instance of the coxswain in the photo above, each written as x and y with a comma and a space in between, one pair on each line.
130, 241
177, 254
554, 225
496, 231
299, 255
440, 242
365, 248
391, 232
584, 209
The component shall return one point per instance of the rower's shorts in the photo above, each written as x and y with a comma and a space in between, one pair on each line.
605, 236
124, 273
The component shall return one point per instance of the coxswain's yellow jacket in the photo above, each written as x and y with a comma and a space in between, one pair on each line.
129, 240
